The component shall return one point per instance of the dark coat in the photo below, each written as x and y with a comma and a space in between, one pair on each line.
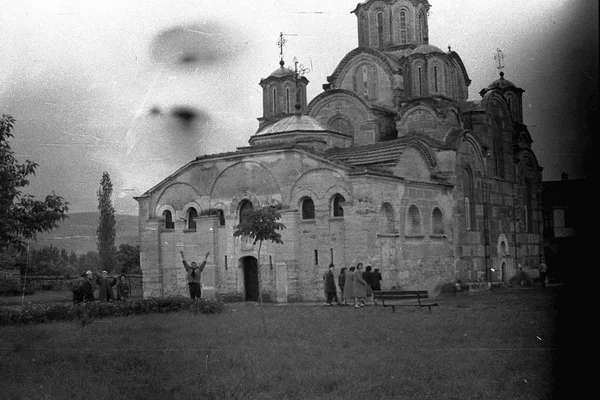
368, 277
330, 283
82, 289
342, 281
122, 289
376, 280
105, 291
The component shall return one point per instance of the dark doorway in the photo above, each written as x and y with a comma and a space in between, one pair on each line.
250, 278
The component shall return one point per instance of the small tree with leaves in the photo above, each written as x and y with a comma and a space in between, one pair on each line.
21, 215
260, 225
106, 226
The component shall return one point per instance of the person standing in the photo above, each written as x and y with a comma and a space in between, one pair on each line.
83, 289
543, 273
341, 284
360, 287
368, 278
349, 285
106, 283
330, 289
122, 288
376, 280
194, 272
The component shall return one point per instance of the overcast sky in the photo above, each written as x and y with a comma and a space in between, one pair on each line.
96, 85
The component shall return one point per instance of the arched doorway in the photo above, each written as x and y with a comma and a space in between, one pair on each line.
250, 270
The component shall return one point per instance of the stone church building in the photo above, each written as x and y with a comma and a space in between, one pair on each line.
390, 166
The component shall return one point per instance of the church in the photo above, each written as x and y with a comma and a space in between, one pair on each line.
390, 166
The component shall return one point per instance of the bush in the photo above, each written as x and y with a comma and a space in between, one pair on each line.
7, 288
39, 313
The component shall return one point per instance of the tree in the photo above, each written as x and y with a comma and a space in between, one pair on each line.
106, 226
260, 225
22, 217
129, 258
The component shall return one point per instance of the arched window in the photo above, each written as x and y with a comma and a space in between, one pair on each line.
364, 31
221, 218
527, 211
337, 209
365, 81
420, 82
435, 78
403, 34
380, 29
469, 193
274, 102
422, 28
168, 217
192, 214
287, 100
437, 220
413, 225
387, 219
308, 209
245, 208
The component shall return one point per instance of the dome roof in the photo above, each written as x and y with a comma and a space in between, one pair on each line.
501, 83
426, 49
295, 123
281, 72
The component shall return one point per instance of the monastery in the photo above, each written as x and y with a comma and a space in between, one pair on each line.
390, 166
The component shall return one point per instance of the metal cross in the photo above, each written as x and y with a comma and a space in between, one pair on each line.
499, 57
299, 69
280, 43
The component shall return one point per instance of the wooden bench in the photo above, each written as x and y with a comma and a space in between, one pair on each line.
393, 298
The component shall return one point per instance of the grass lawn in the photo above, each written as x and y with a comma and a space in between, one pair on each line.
501, 344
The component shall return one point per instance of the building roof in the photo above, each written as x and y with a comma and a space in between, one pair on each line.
427, 49
501, 83
295, 123
376, 153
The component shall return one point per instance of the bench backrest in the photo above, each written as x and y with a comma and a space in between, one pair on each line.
400, 294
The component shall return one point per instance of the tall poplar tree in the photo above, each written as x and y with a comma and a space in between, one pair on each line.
106, 227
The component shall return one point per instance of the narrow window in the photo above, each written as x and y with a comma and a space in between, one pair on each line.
438, 222
338, 210
191, 218
403, 38
421, 28
274, 101
308, 209
271, 262
316, 257
420, 82
245, 208
331, 251
168, 217
365, 80
287, 99
387, 219
414, 221
225, 262
435, 78
380, 28
221, 218
469, 192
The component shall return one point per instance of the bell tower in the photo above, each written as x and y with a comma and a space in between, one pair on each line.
284, 91
391, 24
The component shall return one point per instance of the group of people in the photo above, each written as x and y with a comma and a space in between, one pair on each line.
83, 287
355, 285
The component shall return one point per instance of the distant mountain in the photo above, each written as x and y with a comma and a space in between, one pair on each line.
78, 233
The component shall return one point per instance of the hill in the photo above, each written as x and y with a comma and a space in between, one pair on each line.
78, 233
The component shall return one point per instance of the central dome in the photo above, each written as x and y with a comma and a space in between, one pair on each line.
427, 49
295, 123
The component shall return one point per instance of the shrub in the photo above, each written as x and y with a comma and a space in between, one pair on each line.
39, 313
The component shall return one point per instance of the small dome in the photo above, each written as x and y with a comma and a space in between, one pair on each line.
295, 123
427, 49
281, 72
501, 83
